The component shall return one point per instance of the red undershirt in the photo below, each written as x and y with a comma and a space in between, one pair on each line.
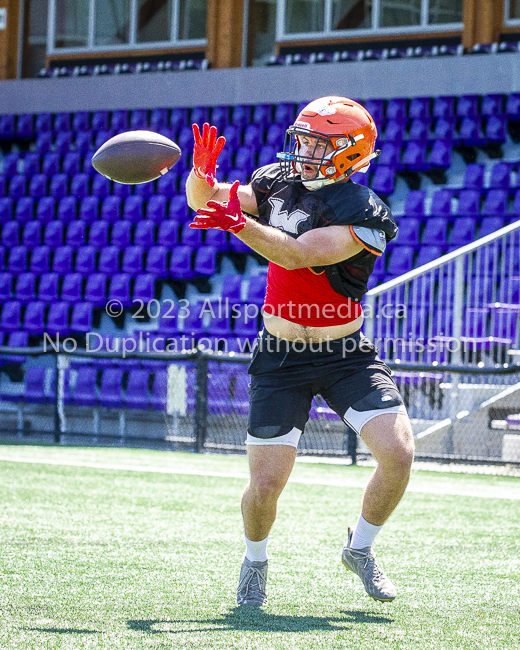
304, 297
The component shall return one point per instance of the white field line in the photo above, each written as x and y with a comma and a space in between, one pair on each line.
417, 485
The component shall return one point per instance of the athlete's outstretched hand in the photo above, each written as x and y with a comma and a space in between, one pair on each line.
206, 151
224, 216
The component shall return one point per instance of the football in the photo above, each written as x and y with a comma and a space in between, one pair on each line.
136, 157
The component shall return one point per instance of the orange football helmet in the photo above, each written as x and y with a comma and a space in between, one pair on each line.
344, 131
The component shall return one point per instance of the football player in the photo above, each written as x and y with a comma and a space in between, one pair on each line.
321, 233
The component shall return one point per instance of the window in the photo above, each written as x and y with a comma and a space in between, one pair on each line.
512, 12
86, 25
313, 18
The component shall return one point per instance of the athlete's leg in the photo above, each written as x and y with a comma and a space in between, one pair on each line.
270, 467
390, 439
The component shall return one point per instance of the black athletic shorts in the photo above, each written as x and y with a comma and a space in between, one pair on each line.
285, 376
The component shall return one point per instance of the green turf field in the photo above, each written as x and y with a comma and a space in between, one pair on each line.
118, 548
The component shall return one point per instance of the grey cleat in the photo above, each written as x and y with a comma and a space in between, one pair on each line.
252, 584
363, 563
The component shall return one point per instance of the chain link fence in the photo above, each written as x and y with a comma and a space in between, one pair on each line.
198, 400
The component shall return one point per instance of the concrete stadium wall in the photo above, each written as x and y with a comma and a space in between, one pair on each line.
398, 78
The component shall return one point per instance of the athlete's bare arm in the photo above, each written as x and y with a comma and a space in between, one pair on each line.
198, 193
319, 247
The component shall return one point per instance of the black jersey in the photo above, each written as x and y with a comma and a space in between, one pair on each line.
295, 210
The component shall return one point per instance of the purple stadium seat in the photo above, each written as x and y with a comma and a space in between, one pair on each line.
71, 165
443, 107
133, 260
100, 137
11, 234
284, 114
144, 233
2, 258
253, 136
111, 392
40, 259
469, 203
16, 340
231, 289
63, 143
76, 234
58, 187
67, 209
168, 233
144, 190
256, 289
121, 234
232, 135
376, 108
96, 289
467, 106
275, 137
238, 175
396, 109
44, 143
513, 105
414, 157
144, 287
156, 208
167, 185
119, 289
44, 123
24, 210
7, 127
419, 108
17, 186
490, 224
238, 246
79, 186
495, 129
217, 238
83, 143
401, 260
10, 165
81, 318
157, 261
462, 232
179, 209
443, 129
98, 234
414, 204
26, 287
474, 176
409, 229
45, 209
85, 392
100, 186
500, 175
383, 180
262, 114
89, 209
245, 158
180, 263
62, 260
119, 120
31, 164
111, 209
245, 325
267, 155
133, 208
11, 316
25, 126
435, 229
86, 260
6, 209
32, 234
71, 288
35, 385
192, 324
495, 203
191, 236
33, 320
179, 117
121, 190
394, 132
81, 121
159, 390
109, 260
185, 138
492, 105
139, 120
440, 155
470, 132
58, 318
48, 287
427, 254
6, 287
390, 155
158, 119
17, 259
199, 115
53, 234
205, 261
420, 130
51, 164
137, 390
241, 115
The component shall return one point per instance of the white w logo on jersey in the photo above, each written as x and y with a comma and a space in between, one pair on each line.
282, 219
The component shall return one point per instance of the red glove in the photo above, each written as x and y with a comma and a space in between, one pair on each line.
224, 216
206, 151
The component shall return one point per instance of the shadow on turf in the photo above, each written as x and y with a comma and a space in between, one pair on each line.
256, 619
60, 630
